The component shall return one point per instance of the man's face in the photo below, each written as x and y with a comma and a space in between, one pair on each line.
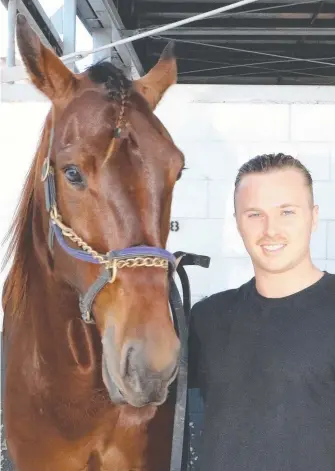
275, 217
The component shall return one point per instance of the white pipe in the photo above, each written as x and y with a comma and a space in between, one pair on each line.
160, 29
19, 71
11, 33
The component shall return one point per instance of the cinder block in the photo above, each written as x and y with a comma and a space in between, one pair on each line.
315, 156
210, 237
189, 121
221, 199
199, 281
312, 122
319, 241
228, 273
320, 264
213, 160
226, 121
330, 266
331, 240
324, 193
332, 162
249, 122
201, 236
190, 199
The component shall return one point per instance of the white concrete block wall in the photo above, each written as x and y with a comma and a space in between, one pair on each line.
20, 130
218, 128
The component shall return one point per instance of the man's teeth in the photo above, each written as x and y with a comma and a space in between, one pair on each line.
273, 247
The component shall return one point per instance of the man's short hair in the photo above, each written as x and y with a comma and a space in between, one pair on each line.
272, 162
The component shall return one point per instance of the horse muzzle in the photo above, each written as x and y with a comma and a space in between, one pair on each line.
130, 380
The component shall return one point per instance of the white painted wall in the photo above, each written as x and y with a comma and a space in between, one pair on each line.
218, 128
20, 129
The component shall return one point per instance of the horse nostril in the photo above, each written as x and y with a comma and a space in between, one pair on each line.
127, 366
174, 370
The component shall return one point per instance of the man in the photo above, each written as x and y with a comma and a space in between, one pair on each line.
263, 355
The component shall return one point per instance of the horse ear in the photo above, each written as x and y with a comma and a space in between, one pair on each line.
46, 70
164, 74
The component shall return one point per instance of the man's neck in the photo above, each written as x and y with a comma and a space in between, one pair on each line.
279, 285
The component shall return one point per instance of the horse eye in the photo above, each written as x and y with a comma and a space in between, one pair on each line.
73, 175
181, 173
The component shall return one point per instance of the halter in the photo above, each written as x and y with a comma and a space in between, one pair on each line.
112, 261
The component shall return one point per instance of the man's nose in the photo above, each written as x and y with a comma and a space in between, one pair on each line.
271, 227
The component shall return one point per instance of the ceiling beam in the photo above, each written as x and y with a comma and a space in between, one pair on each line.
40, 22
212, 2
194, 31
257, 80
127, 53
178, 15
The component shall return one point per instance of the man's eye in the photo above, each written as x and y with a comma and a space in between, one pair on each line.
73, 175
288, 212
253, 215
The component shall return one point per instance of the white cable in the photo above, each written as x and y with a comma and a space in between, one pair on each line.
201, 16
20, 72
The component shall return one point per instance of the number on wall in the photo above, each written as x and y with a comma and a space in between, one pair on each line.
174, 226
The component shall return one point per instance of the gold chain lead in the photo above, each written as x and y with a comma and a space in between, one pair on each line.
130, 262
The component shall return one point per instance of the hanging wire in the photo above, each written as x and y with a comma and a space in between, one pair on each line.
267, 70
256, 64
248, 51
229, 15
82, 54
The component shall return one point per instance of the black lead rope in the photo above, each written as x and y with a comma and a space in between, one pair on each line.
181, 313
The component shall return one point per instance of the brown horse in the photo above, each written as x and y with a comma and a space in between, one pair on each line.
83, 396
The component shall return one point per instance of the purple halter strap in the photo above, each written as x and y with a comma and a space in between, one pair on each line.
130, 252
86, 300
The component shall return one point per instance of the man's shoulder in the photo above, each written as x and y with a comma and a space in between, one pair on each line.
223, 300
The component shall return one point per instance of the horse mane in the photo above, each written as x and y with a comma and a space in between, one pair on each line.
20, 235
113, 78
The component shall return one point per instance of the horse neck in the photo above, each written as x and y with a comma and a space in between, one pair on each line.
68, 350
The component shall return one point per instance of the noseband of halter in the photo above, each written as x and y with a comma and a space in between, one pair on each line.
131, 257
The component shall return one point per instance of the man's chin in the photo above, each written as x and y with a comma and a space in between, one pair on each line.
273, 266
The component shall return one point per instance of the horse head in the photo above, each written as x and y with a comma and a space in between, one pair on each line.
113, 168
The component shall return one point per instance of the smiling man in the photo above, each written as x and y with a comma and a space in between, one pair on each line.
263, 355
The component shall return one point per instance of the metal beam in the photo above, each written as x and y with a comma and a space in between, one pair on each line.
45, 31
212, 2
107, 14
69, 26
259, 80
252, 41
12, 8
102, 36
42, 25
178, 15
126, 51
191, 31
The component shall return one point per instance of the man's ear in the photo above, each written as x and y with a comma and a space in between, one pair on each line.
45, 69
315, 217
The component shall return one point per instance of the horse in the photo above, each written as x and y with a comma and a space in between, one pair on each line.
90, 346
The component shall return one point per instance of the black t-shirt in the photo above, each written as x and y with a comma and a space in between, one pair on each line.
266, 370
